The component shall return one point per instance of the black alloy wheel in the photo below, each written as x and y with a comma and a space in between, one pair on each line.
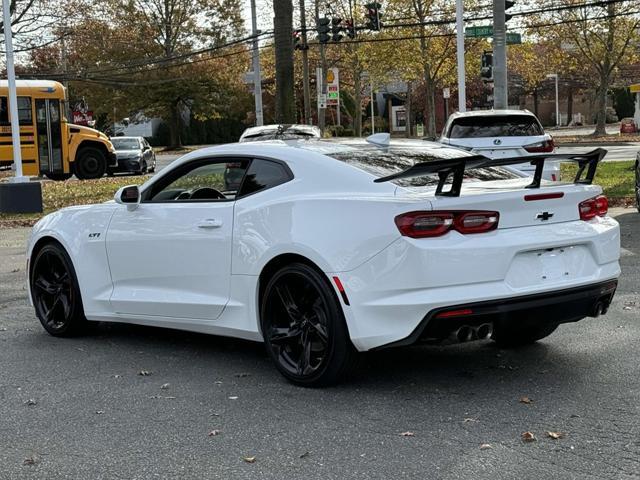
55, 292
304, 328
90, 163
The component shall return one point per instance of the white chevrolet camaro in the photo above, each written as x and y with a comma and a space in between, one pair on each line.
323, 250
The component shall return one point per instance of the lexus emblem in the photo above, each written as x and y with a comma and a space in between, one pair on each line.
497, 141
544, 216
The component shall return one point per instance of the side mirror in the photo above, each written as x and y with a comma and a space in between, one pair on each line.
129, 195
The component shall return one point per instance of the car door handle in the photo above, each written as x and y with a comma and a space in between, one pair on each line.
210, 223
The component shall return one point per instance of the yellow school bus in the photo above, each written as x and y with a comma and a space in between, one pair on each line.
51, 146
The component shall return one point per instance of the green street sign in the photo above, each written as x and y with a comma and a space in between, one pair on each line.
485, 31
514, 38
477, 32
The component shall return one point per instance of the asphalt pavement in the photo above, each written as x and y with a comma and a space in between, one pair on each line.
129, 402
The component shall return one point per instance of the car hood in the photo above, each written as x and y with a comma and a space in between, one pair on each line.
127, 153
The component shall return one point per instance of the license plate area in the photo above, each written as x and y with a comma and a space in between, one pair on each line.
551, 266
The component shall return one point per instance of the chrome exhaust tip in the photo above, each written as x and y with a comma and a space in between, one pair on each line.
465, 334
484, 331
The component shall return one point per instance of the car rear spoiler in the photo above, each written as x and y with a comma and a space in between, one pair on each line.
457, 166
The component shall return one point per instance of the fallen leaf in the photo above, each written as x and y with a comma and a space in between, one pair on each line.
164, 386
99, 412
305, 454
528, 437
218, 382
15, 270
526, 400
469, 420
30, 461
144, 373
31, 402
242, 375
485, 446
233, 398
555, 435
3, 329
249, 459
214, 433
117, 376
407, 434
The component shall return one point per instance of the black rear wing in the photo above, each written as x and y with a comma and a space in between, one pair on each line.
444, 168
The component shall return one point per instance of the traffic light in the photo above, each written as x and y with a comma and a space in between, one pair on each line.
336, 28
350, 29
507, 5
297, 40
486, 67
322, 27
373, 15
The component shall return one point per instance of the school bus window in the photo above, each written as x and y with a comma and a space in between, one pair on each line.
24, 111
4, 111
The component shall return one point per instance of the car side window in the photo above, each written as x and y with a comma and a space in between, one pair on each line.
201, 181
263, 174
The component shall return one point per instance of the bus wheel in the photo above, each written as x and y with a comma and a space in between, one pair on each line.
90, 163
58, 176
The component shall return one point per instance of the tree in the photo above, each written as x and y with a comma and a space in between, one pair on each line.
283, 43
176, 27
600, 35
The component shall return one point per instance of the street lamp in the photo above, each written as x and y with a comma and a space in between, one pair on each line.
555, 75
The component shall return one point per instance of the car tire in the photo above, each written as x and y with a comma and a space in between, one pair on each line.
508, 336
153, 166
90, 163
55, 292
143, 168
58, 177
638, 184
304, 329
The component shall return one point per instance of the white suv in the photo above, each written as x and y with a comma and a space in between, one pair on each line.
502, 134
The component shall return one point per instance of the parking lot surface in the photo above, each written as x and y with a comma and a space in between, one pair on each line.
141, 403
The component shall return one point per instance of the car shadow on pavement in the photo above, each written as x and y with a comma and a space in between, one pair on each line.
469, 368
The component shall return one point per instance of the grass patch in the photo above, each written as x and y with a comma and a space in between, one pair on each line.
57, 195
617, 179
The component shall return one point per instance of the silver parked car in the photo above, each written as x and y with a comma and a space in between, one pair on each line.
502, 134
134, 155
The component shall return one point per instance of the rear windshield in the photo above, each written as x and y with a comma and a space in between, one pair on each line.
383, 162
495, 126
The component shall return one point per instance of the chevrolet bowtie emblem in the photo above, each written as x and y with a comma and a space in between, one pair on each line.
544, 216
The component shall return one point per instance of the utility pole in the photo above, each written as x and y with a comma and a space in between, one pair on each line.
462, 94
19, 195
321, 82
373, 118
499, 55
305, 65
13, 97
257, 77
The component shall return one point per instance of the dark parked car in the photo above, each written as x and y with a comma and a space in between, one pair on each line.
134, 155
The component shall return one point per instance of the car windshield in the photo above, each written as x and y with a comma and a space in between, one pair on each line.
125, 143
495, 126
382, 162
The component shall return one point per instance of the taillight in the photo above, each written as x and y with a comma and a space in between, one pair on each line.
593, 207
541, 147
436, 224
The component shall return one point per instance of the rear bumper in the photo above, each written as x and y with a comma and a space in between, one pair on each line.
391, 293
563, 306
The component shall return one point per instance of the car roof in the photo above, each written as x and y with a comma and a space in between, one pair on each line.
491, 113
127, 138
273, 128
